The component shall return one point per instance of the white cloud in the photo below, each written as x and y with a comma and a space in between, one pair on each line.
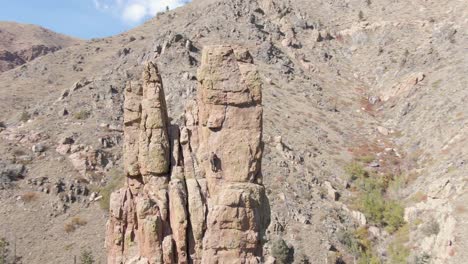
102, 4
134, 11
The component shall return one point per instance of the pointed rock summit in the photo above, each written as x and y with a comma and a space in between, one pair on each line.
194, 193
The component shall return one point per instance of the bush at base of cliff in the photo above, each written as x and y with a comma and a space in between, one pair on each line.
280, 251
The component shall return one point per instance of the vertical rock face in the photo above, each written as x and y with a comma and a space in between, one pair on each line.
194, 193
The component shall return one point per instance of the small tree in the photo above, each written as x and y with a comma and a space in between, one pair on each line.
280, 251
86, 257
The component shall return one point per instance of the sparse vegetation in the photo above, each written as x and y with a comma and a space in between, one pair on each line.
301, 258
371, 199
25, 116
431, 228
360, 15
86, 257
19, 152
280, 251
68, 247
359, 245
115, 181
82, 114
75, 223
4, 252
395, 184
424, 258
6, 256
355, 171
393, 216
436, 84
398, 252
419, 197
366, 159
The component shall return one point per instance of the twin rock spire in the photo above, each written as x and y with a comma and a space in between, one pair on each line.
194, 193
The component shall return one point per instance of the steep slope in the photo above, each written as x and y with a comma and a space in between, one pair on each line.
379, 84
20, 43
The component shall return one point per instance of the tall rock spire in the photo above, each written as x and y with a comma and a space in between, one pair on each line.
230, 152
194, 194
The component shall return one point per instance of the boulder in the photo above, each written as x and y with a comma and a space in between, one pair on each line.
38, 148
10, 172
359, 217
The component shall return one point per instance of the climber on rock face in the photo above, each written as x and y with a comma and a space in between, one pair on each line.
215, 162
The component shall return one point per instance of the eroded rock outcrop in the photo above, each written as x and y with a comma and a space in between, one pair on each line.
194, 192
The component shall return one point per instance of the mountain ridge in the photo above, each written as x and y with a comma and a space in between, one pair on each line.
20, 43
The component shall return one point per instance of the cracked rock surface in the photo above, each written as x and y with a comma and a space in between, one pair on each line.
194, 192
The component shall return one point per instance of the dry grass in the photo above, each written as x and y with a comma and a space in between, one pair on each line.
81, 115
116, 179
78, 221
367, 106
74, 224
29, 197
366, 159
419, 197
19, 152
461, 209
69, 227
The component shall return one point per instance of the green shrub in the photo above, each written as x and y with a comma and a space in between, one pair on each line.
378, 210
25, 116
424, 258
86, 257
82, 114
369, 184
373, 206
397, 251
280, 251
393, 216
356, 171
348, 239
359, 245
382, 212
3, 250
368, 259
396, 184
431, 228
6, 257
366, 159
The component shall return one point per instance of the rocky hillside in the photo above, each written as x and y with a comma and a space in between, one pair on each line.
364, 127
20, 43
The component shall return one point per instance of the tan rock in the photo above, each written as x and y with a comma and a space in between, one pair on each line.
230, 152
359, 217
193, 194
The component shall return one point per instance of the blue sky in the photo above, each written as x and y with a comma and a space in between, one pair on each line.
84, 18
